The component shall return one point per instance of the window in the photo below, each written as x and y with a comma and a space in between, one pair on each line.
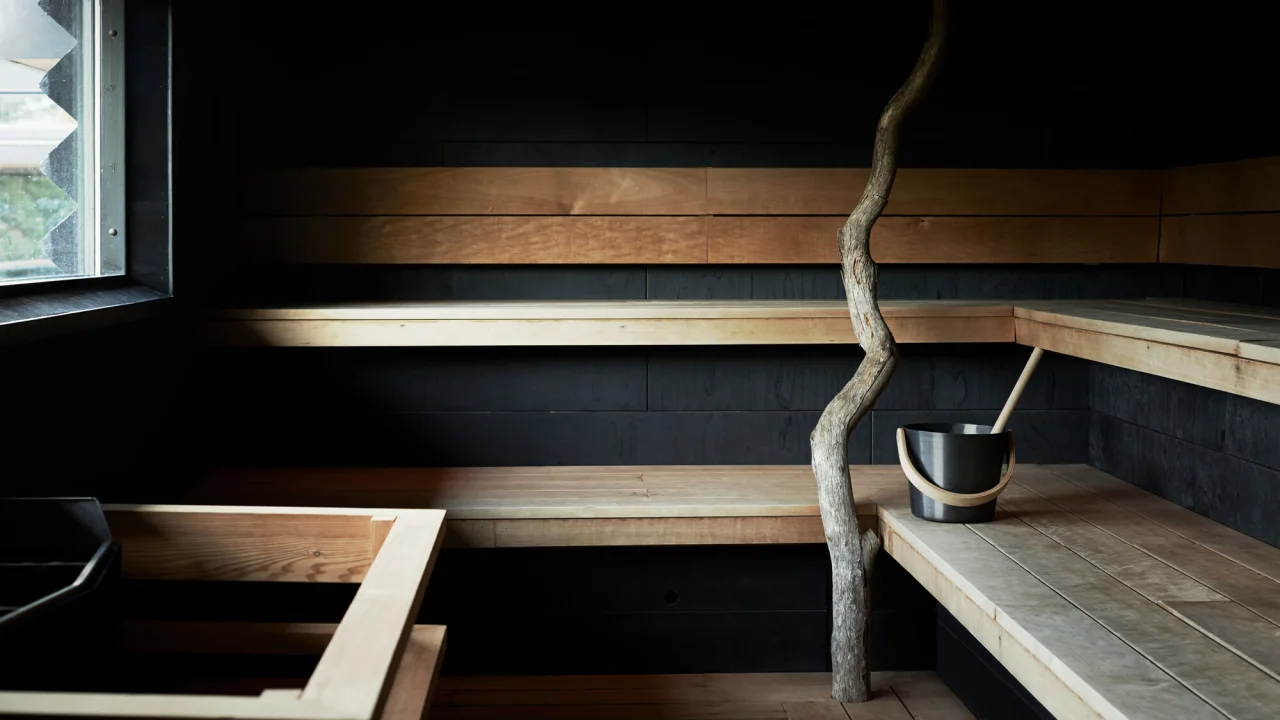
61, 139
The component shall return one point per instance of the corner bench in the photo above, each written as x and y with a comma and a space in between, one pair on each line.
1103, 600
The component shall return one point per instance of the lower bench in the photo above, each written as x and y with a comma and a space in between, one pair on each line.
1103, 600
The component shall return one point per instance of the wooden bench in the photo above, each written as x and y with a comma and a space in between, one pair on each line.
1106, 601
1233, 348
573, 506
1226, 347
625, 322
1103, 600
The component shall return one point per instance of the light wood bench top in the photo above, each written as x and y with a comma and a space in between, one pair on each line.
1105, 601
1233, 348
1226, 347
575, 506
619, 322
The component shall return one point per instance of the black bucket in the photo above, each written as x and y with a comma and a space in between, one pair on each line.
963, 461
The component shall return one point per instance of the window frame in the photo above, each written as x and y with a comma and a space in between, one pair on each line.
41, 307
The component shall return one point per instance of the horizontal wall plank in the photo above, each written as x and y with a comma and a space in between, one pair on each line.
478, 240
1243, 186
690, 240
1239, 240
938, 240
815, 191
693, 191
476, 191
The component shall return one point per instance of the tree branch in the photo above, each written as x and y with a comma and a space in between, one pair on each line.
852, 553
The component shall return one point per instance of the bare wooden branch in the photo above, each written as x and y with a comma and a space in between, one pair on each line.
852, 555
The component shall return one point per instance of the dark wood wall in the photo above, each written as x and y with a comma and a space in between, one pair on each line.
1026, 86
294, 84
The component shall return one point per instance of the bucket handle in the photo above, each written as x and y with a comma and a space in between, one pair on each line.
947, 497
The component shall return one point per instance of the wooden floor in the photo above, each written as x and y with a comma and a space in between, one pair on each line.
771, 696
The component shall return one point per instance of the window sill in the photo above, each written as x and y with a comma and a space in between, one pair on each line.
26, 318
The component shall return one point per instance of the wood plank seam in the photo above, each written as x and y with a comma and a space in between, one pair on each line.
1148, 653
1188, 537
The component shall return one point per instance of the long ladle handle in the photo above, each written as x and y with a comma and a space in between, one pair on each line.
1016, 395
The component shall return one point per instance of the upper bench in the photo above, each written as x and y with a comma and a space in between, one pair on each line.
1231, 348
623, 322
1226, 347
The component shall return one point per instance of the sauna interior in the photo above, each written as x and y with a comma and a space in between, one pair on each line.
377, 360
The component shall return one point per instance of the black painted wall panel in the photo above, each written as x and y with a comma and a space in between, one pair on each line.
101, 413
1210, 451
1228, 489
609, 406
917, 282
928, 377
1041, 436
1249, 286
414, 88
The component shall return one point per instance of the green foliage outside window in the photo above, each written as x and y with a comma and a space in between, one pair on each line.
30, 207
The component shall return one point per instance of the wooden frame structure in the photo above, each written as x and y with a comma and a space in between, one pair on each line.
372, 662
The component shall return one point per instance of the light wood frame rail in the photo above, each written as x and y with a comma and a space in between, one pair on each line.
626, 322
389, 552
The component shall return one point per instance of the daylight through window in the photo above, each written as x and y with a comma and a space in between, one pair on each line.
61, 139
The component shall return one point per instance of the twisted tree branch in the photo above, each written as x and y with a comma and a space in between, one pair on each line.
852, 552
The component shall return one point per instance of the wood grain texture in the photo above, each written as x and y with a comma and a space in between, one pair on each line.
541, 333
1219, 371
1242, 631
1241, 186
662, 531
602, 323
1223, 575
925, 696
691, 240
1214, 673
1214, 328
1148, 576
815, 710
772, 696
939, 239
564, 507
274, 706
475, 240
1234, 240
476, 191
416, 674
262, 546
1075, 667
357, 669
810, 191
547, 493
1230, 544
